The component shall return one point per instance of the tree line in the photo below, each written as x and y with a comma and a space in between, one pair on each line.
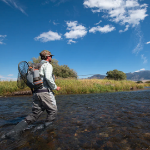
64, 71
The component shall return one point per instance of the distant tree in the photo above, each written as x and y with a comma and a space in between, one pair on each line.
64, 71
59, 71
35, 60
116, 75
139, 82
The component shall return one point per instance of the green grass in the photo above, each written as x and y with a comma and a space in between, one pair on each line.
8, 87
74, 86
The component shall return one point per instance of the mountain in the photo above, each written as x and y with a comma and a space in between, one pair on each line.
97, 76
135, 76
138, 76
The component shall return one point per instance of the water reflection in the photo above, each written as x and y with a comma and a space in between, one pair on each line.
110, 121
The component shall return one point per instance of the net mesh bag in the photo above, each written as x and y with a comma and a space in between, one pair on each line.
22, 74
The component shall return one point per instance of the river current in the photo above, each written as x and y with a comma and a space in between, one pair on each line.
104, 121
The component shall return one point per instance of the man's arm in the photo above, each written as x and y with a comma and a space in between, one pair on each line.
48, 76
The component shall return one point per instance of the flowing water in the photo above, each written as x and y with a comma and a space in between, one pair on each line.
105, 121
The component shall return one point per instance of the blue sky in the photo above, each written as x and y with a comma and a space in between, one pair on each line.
90, 36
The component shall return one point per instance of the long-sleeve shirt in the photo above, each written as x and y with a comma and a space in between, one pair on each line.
46, 73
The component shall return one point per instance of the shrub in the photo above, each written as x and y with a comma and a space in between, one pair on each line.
116, 75
139, 82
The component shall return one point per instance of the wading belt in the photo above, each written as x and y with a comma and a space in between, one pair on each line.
41, 90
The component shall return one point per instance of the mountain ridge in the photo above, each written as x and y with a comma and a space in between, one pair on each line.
135, 76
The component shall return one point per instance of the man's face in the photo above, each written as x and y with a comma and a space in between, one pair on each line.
49, 58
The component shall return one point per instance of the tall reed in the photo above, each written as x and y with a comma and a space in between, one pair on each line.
79, 86
74, 86
8, 87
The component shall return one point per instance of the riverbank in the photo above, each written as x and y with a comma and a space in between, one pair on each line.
75, 86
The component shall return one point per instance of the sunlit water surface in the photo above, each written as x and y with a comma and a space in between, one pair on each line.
105, 121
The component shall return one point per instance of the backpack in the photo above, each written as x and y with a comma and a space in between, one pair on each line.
33, 77
29, 75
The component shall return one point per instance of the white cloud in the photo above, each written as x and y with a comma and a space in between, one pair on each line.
15, 4
126, 29
105, 29
135, 16
10, 75
128, 12
144, 59
148, 42
132, 3
2, 78
2, 38
140, 70
98, 22
55, 23
76, 31
71, 41
48, 36
101, 4
139, 45
55, 1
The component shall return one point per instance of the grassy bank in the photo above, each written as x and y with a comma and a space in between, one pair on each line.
96, 86
73, 86
8, 87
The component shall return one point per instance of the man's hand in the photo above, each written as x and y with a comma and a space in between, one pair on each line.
58, 88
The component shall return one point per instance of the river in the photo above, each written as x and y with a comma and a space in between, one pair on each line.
104, 121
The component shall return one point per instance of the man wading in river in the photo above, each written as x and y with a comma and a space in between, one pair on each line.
43, 99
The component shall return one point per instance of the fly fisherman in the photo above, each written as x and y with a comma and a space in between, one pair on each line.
43, 99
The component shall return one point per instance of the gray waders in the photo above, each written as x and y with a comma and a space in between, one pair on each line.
42, 100
15, 132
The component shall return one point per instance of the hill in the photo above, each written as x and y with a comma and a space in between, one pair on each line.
135, 76
97, 76
139, 76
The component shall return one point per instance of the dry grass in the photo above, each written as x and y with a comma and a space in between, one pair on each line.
80, 86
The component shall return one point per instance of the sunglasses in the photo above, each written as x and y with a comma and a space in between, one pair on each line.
50, 56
